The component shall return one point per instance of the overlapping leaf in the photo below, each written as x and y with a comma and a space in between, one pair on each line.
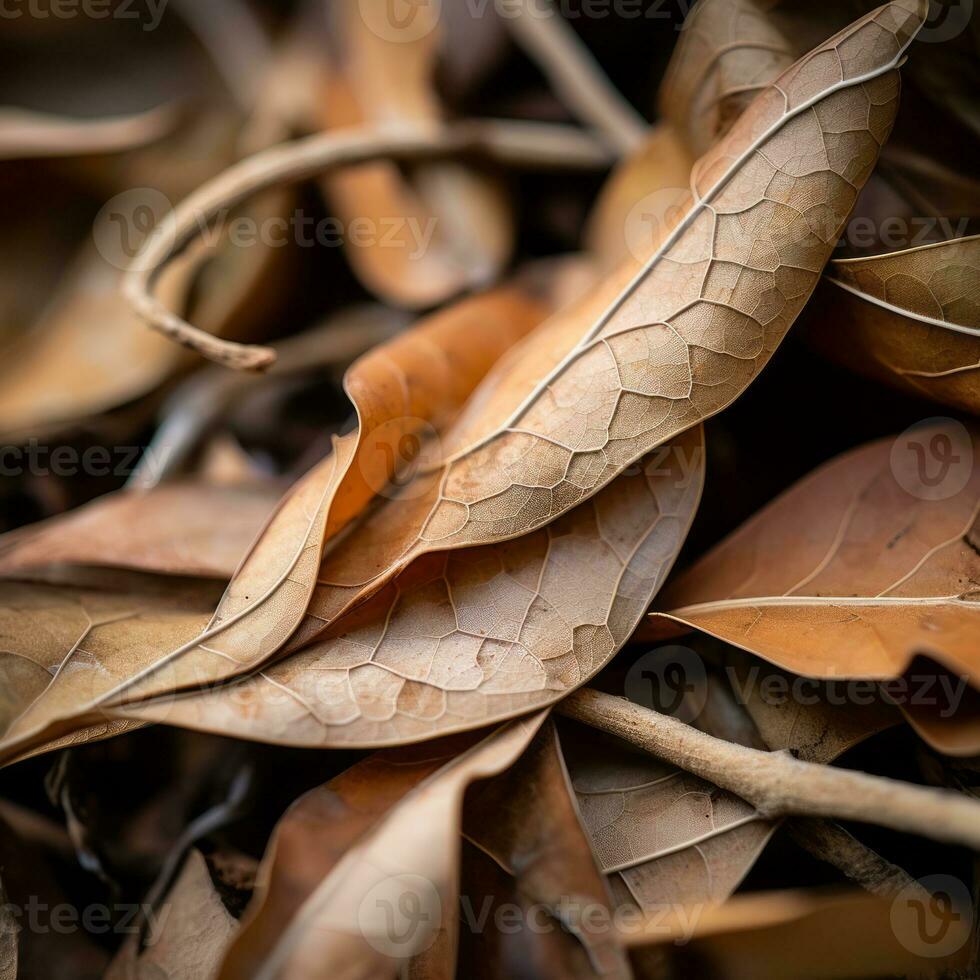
910, 318
672, 839
641, 361
464, 638
407, 856
400, 389
444, 228
537, 843
191, 529
852, 572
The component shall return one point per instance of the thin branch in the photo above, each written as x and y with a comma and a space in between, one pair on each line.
575, 75
777, 784
828, 842
528, 144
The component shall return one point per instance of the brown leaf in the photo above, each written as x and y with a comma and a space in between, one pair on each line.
798, 935
727, 53
674, 839
191, 529
414, 382
910, 318
192, 930
464, 638
315, 833
851, 572
407, 862
445, 228
527, 822
65, 648
588, 396
402, 391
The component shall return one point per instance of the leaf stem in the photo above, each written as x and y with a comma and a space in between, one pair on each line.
528, 144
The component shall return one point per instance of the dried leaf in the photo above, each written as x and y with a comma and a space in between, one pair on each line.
728, 52
191, 529
444, 229
464, 638
65, 648
527, 822
909, 318
88, 352
399, 389
193, 929
798, 936
674, 839
852, 572
587, 397
315, 833
392, 898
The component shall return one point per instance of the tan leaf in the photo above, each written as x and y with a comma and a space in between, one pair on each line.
815, 730
674, 839
191, 932
464, 638
849, 574
317, 830
588, 395
191, 529
64, 648
728, 51
88, 351
444, 228
407, 862
527, 822
400, 389
909, 318
801, 935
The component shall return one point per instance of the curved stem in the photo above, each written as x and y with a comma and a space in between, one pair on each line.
576, 76
528, 144
777, 784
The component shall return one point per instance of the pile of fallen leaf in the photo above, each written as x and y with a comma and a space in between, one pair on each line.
408, 567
